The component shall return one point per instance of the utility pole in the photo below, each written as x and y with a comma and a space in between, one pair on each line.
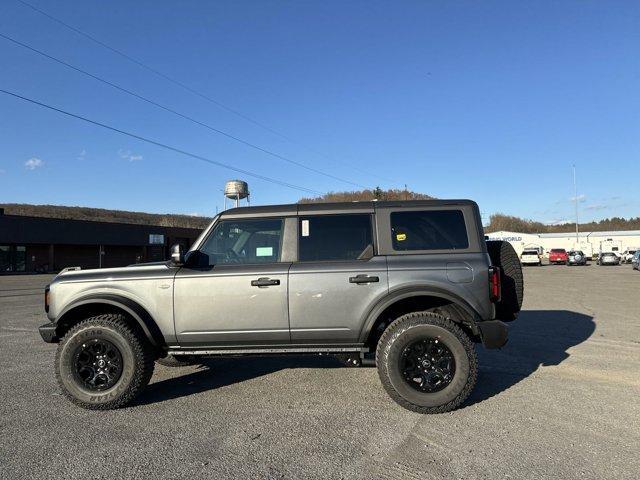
575, 199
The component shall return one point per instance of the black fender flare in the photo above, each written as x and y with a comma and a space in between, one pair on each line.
417, 291
144, 320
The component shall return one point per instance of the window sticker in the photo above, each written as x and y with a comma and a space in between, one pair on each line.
264, 251
305, 228
401, 237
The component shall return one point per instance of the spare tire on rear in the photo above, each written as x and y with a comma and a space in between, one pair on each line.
504, 256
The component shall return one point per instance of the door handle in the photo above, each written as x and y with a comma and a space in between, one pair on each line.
264, 282
363, 279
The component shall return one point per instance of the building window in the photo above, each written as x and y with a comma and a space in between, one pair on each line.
334, 237
21, 258
5, 258
13, 258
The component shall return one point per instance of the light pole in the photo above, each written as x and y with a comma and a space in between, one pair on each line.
575, 199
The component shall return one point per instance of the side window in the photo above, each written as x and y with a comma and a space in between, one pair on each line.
335, 237
243, 241
429, 230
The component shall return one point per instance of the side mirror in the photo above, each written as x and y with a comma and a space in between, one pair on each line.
177, 254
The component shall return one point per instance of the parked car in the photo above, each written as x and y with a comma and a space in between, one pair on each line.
576, 257
608, 258
406, 286
531, 257
558, 256
627, 255
635, 261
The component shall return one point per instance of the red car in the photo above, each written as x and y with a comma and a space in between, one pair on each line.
558, 255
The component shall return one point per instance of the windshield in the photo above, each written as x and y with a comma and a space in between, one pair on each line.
204, 233
558, 250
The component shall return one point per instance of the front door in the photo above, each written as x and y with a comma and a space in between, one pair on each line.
233, 290
336, 280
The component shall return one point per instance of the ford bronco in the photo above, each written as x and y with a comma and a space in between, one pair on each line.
409, 286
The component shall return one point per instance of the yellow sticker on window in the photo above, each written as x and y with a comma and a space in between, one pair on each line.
401, 237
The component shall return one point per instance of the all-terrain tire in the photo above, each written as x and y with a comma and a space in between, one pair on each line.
177, 360
135, 355
512, 282
414, 327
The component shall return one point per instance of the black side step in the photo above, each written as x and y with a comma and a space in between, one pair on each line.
266, 351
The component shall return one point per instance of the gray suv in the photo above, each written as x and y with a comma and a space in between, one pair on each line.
408, 286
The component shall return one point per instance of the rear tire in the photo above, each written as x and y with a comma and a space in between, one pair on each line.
103, 363
504, 256
426, 363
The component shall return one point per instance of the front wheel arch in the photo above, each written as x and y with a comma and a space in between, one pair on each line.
135, 314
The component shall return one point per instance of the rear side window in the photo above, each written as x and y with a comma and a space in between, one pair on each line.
334, 237
429, 230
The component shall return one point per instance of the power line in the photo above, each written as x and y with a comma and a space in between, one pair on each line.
170, 110
163, 145
186, 87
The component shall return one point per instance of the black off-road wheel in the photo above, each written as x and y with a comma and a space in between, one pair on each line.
512, 282
427, 363
177, 360
103, 363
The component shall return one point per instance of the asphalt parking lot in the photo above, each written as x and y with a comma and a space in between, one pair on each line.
559, 401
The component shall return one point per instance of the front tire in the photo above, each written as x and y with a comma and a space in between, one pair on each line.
102, 363
426, 363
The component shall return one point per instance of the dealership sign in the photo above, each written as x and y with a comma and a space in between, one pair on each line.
507, 239
156, 239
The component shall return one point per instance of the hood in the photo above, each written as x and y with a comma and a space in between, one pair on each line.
153, 269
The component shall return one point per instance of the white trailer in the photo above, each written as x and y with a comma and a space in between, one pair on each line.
611, 246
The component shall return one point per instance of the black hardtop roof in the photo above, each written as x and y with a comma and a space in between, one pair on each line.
340, 206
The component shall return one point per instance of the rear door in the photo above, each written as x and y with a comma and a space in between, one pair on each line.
437, 248
337, 277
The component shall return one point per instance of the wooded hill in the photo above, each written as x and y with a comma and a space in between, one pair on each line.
367, 195
500, 222
104, 215
497, 221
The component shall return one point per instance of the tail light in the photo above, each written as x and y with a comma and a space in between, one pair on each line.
494, 284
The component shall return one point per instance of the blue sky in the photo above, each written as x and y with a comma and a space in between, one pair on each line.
492, 101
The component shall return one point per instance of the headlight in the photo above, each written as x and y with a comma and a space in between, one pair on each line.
47, 295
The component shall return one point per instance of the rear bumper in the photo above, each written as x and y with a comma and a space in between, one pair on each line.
494, 333
48, 333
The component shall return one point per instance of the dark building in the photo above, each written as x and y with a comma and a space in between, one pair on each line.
37, 244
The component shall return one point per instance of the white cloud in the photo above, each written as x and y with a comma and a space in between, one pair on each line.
581, 198
597, 206
2, 171
559, 221
33, 163
129, 155
82, 154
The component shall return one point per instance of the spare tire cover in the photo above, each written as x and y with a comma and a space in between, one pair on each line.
504, 256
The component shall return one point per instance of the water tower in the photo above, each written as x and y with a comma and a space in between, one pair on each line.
236, 190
